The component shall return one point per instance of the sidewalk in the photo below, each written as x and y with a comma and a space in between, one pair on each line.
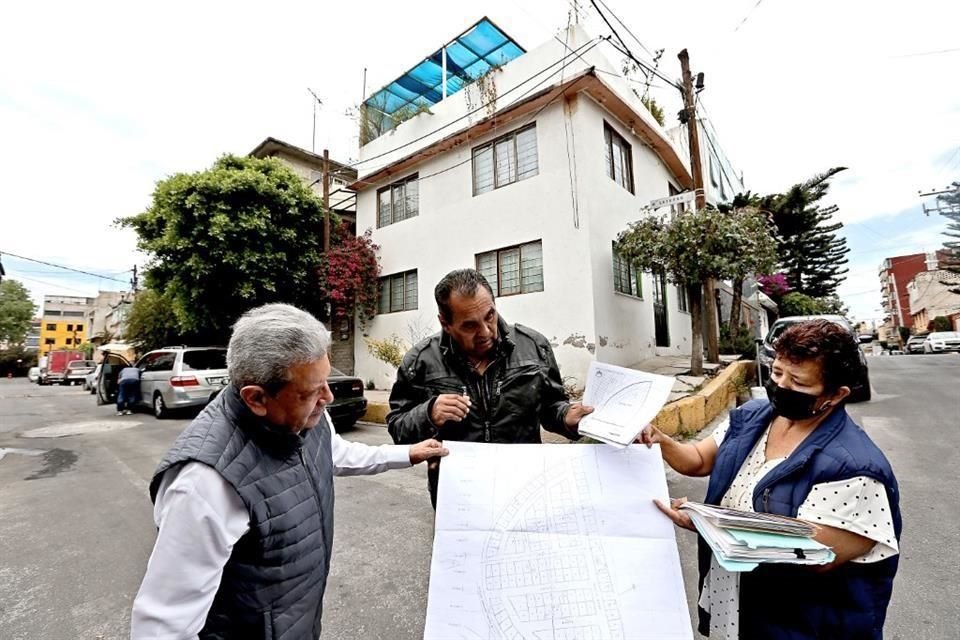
694, 402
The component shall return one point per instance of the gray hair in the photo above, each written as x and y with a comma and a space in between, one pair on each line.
269, 340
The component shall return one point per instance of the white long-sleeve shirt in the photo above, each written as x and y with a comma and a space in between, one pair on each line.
200, 517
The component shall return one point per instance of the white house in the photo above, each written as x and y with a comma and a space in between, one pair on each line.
532, 188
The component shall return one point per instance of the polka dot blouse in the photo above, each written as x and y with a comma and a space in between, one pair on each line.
857, 504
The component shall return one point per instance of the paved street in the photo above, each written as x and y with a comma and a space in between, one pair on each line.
76, 526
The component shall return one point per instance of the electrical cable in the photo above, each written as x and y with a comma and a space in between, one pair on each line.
746, 17
928, 53
60, 266
48, 284
626, 50
623, 77
622, 24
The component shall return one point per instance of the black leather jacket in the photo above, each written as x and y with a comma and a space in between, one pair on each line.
520, 391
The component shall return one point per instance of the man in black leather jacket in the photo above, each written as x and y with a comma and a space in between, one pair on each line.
480, 379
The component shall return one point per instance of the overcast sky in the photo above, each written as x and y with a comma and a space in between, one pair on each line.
99, 100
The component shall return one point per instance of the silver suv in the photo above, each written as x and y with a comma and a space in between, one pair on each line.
181, 377
170, 378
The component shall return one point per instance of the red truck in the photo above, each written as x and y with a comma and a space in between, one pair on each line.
55, 369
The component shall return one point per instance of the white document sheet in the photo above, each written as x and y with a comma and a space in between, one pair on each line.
624, 401
554, 542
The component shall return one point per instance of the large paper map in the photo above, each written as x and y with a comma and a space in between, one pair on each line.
554, 542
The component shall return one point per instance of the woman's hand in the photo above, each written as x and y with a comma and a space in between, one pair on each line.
680, 518
650, 436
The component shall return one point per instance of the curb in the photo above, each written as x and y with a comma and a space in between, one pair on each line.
682, 417
376, 413
689, 415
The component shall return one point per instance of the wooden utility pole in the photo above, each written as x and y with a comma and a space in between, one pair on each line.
696, 165
326, 201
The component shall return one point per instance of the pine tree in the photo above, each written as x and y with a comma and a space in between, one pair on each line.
811, 253
950, 209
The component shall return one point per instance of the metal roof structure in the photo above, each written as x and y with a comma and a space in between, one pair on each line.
443, 73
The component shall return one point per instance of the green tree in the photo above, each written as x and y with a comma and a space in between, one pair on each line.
152, 323
810, 251
243, 233
833, 305
692, 247
16, 312
733, 326
940, 323
16, 360
950, 209
654, 108
800, 304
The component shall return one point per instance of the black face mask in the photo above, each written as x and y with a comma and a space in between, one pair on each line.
793, 405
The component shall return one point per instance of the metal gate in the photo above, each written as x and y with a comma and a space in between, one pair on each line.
660, 322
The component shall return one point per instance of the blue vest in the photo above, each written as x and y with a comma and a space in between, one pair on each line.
272, 585
792, 602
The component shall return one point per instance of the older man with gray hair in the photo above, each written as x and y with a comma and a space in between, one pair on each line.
244, 498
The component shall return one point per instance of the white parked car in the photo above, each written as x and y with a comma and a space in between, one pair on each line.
90, 382
33, 374
942, 342
78, 370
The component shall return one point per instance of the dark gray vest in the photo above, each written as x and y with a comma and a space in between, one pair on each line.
273, 583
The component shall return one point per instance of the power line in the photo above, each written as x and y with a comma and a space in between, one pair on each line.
623, 77
746, 17
626, 28
928, 53
626, 50
49, 284
713, 129
60, 266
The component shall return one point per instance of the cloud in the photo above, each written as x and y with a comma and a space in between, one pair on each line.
106, 99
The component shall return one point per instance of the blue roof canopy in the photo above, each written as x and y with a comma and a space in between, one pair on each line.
468, 56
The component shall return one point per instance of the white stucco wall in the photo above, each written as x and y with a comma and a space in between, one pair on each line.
624, 324
453, 226
578, 309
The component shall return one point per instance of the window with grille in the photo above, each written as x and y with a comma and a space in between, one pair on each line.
506, 160
619, 158
398, 292
398, 201
675, 208
626, 277
683, 302
513, 270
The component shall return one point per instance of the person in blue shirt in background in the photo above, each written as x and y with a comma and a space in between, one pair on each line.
129, 392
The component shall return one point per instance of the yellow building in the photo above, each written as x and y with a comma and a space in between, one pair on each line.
63, 324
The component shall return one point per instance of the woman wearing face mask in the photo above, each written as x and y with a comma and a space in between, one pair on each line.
801, 455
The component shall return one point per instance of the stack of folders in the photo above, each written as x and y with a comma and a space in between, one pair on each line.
741, 540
